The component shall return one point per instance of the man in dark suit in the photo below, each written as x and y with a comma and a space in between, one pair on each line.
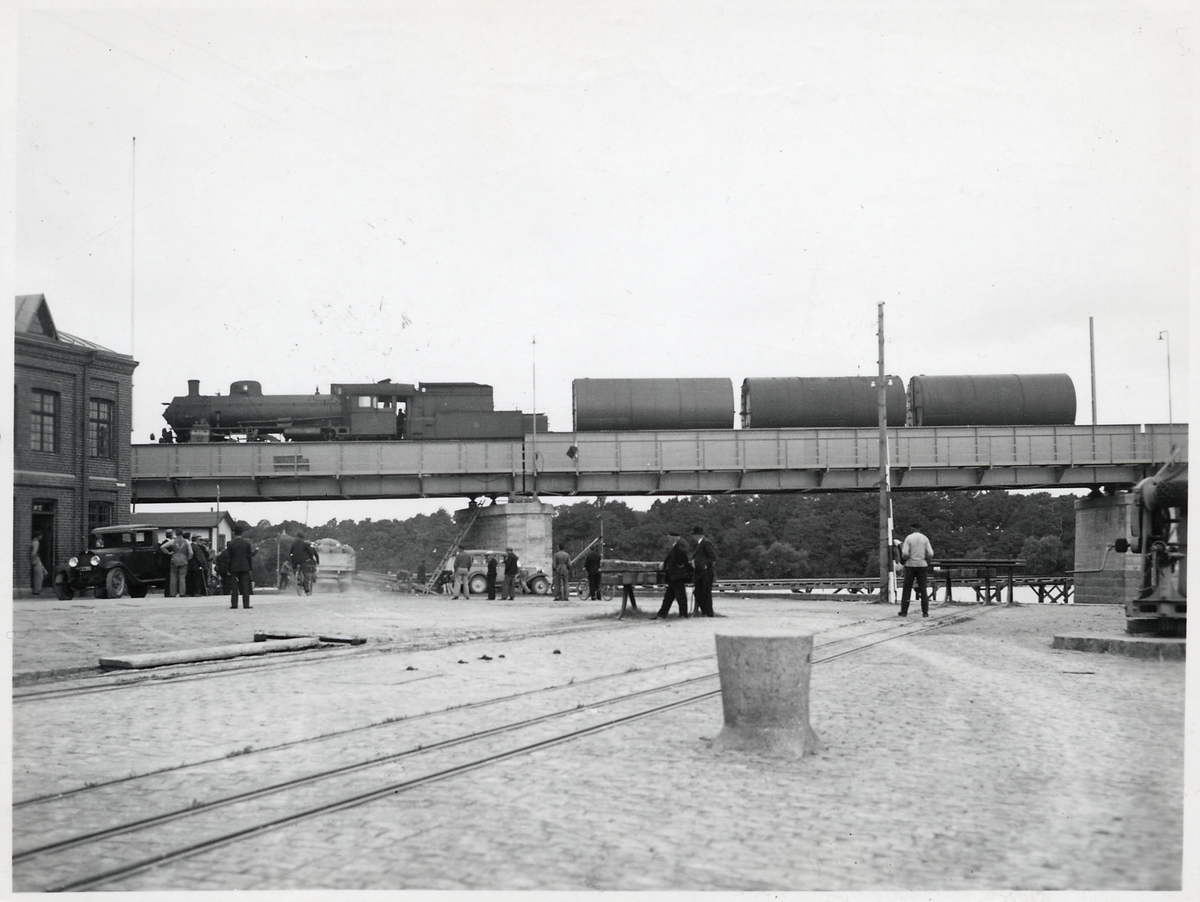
704, 559
592, 565
676, 566
240, 554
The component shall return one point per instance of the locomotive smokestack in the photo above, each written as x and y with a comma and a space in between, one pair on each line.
193, 388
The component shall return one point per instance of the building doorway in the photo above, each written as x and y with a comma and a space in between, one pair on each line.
43, 523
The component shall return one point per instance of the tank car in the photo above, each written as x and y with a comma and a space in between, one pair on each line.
818, 402
602, 405
376, 411
998, 400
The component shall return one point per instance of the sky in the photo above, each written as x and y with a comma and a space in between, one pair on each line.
523, 194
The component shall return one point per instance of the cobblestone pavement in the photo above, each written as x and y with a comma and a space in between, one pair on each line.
969, 757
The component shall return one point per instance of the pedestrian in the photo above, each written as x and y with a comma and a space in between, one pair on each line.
180, 551
240, 565
491, 577
591, 564
193, 566
199, 572
704, 558
422, 576
37, 569
222, 567
627, 596
304, 560
462, 569
511, 570
562, 563
285, 575
676, 566
916, 554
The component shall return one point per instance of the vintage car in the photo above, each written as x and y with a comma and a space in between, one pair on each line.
120, 560
530, 581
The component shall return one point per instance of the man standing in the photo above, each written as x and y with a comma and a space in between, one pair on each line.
37, 569
562, 563
511, 569
491, 577
180, 551
704, 559
240, 554
916, 554
198, 569
676, 567
592, 565
462, 567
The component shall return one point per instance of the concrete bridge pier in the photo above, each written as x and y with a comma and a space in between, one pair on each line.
764, 693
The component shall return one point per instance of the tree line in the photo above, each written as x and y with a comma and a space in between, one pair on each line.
756, 536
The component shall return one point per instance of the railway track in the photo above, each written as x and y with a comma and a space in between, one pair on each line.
436, 746
106, 681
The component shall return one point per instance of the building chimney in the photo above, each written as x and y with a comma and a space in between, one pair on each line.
193, 388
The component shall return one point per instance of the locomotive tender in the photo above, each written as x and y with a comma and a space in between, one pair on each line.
389, 411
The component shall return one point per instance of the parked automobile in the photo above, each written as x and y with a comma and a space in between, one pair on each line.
530, 580
119, 560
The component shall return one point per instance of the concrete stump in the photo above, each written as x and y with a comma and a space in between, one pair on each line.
764, 691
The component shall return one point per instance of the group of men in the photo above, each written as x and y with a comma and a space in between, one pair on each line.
460, 577
238, 562
683, 564
192, 565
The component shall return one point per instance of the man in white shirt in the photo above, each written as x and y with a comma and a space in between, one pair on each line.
916, 554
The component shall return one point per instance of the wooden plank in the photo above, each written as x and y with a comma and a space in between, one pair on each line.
215, 653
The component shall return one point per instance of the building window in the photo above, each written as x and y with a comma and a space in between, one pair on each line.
100, 428
43, 424
100, 513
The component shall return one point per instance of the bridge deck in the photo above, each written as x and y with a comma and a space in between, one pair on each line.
656, 463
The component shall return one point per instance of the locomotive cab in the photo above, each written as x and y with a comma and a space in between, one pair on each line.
374, 409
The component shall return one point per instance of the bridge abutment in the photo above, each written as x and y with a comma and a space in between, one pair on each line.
1098, 523
523, 524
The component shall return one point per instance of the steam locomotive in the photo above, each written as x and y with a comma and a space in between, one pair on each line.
371, 411
389, 411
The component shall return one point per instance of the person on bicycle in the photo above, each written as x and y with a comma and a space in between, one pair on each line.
304, 560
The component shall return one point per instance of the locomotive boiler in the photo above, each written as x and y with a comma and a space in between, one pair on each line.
378, 411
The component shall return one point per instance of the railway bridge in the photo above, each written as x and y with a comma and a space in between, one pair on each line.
677, 462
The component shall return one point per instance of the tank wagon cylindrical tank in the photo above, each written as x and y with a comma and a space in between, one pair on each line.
819, 402
1003, 400
603, 405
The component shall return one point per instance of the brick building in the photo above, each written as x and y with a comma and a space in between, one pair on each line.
71, 436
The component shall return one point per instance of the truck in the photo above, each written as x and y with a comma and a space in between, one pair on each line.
336, 564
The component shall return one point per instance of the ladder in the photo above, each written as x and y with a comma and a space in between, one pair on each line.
432, 578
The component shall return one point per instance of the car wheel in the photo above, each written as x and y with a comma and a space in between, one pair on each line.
477, 584
540, 585
116, 582
62, 588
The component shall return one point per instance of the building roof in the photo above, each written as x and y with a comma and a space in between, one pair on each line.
33, 319
33, 316
196, 519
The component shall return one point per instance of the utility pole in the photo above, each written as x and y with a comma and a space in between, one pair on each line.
1170, 406
1092, 342
885, 504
